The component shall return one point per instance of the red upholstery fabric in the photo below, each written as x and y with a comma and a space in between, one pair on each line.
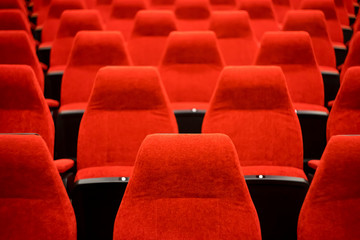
190, 66
293, 52
104, 8
17, 48
107, 171
253, 107
127, 103
344, 117
91, 51
236, 39
313, 22
262, 16
314, 164
14, 19
350, 6
22, 105
52, 21
332, 21
281, 7
71, 22
52, 103
123, 14
63, 165
331, 207
41, 8
223, 4
148, 38
353, 57
192, 15
176, 192
342, 12
13, 4
161, 4
33, 201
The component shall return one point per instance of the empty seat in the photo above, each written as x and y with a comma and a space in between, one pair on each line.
14, 19
13, 4
223, 4
104, 8
40, 10
190, 208
331, 207
262, 16
123, 14
161, 4
353, 57
149, 35
33, 197
342, 12
236, 39
190, 68
281, 7
192, 15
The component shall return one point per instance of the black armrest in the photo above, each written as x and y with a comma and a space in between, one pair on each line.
278, 201
313, 128
33, 18
37, 33
189, 121
331, 84
352, 19
340, 54
347, 32
96, 202
53, 85
43, 54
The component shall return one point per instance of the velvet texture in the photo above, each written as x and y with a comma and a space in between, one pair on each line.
223, 4
151, 30
123, 14
41, 9
33, 201
52, 21
353, 57
91, 51
293, 52
104, 8
253, 107
332, 21
22, 105
71, 22
192, 15
13, 4
345, 113
262, 16
17, 48
342, 12
176, 192
127, 103
331, 207
190, 66
281, 7
14, 19
314, 23
237, 42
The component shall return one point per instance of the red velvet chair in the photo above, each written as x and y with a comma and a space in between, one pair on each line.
14, 19
236, 39
262, 16
353, 57
150, 33
126, 104
161, 4
189, 70
253, 107
331, 207
104, 8
33, 198
187, 198
342, 12
91, 51
40, 10
223, 4
192, 15
123, 14
13, 4
281, 7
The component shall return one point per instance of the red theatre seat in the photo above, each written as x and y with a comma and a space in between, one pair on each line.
281, 7
237, 42
223, 4
353, 57
176, 191
150, 33
14, 19
13, 4
192, 15
33, 197
331, 207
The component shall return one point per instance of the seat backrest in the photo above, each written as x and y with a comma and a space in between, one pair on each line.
342, 12
13, 4
253, 107
293, 52
331, 206
71, 22
22, 104
190, 66
176, 192
33, 197
192, 15
14, 19
52, 21
262, 16
281, 7
332, 21
223, 4
149, 35
235, 36
91, 50
353, 57
17, 48
126, 104
344, 117
314, 23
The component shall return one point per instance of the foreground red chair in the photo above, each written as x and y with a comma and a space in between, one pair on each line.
330, 214
196, 200
120, 123
253, 107
236, 39
32, 193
